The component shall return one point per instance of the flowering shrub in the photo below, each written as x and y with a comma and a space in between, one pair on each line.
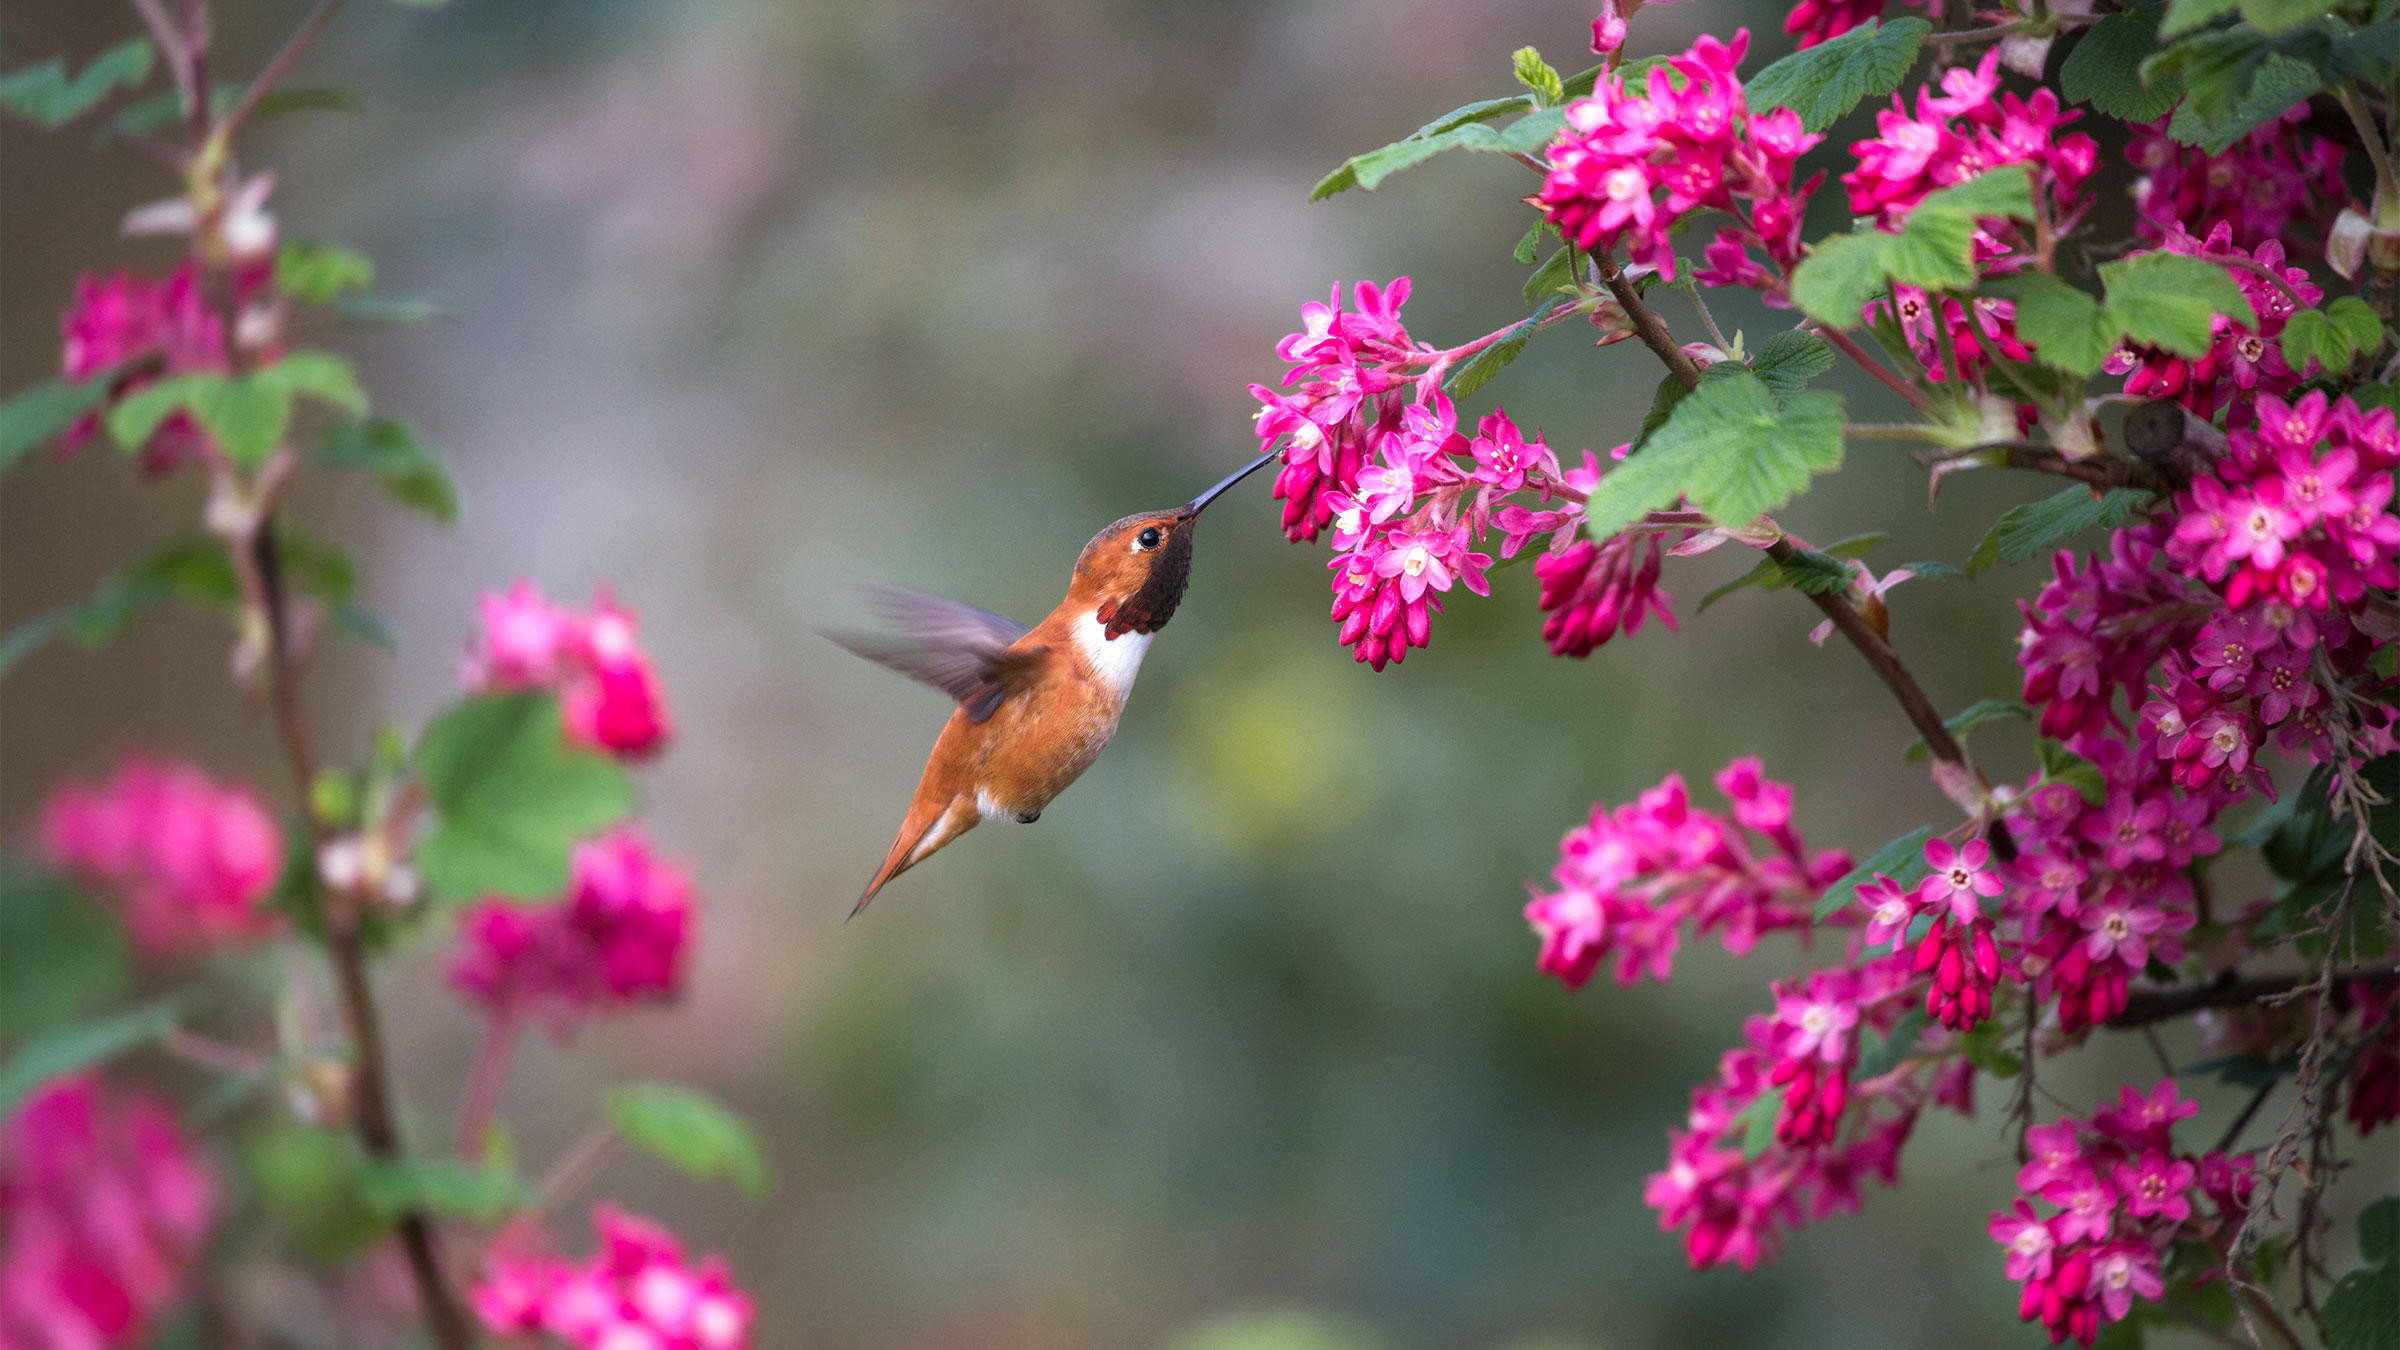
504, 820
2215, 675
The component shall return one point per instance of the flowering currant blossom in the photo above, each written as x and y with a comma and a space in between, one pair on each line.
104, 1208
637, 1292
2244, 362
1630, 167
620, 937
608, 690
2121, 1197
134, 329
2262, 189
191, 859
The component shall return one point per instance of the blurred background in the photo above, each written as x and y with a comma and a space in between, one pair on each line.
750, 301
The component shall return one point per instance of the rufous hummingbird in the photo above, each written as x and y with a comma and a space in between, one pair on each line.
1035, 705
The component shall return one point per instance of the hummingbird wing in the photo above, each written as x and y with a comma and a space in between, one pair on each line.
968, 653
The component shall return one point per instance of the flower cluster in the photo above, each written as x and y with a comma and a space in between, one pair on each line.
1630, 168
618, 938
1969, 129
2263, 186
2119, 1196
2244, 362
104, 1208
607, 688
2374, 1100
1630, 881
192, 859
2297, 511
1373, 455
134, 329
1815, 21
637, 1292
1956, 949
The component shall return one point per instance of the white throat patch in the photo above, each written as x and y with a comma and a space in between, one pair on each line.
1114, 660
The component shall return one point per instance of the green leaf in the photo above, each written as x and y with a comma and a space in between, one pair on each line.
1814, 573
1366, 172
43, 412
2333, 336
389, 450
2005, 192
197, 570
510, 798
1828, 80
1766, 576
2276, 17
46, 96
2363, 1311
1933, 571
1887, 1052
2065, 327
1478, 369
163, 110
1981, 1045
2105, 69
1840, 275
1786, 362
2038, 527
1729, 449
2061, 765
2379, 1232
1662, 406
1529, 247
78, 1047
1858, 545
1536, 75
2169, 301
323, 376
246, 418
1556, 272
61, 958
691, 1132
1757, 1122
316, 273
450, 1187
1975, 715
2185, 15
2277, 82
1903, 860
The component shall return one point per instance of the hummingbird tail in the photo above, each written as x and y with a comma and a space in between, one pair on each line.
930, 825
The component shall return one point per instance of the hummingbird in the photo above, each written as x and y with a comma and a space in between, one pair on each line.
1035, 705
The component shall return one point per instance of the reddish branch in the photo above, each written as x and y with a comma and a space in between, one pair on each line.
2144, 1006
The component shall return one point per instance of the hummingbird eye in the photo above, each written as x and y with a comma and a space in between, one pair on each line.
1148, 538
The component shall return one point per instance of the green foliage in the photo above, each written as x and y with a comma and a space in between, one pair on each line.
1981, 1045
2236, 81
452, 1187
1536, 75
2363, 1312
70, 1049
2333, 336
1756, 1122
2038, 527
1814, 573
510, 798
33, 416
2065, 327
1826, 81
1975, 715
691, 1132
412, 472
2061, 765
1477, 370
307, 1179
2105, 69
316, 273
1729, 449
45, 95
1556, 273
247, 414
2170, 301
1786, 362
1903, 860
164, 110
1464, 129
2307, 847
196, 570
1933, 250
61, 958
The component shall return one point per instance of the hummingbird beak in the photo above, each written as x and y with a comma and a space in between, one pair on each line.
1201, 502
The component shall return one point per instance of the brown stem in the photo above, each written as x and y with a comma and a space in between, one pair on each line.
2101, 471
1647, 325
2144, 1006
279, 66
169, 41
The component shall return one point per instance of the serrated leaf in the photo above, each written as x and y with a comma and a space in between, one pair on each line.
1528, 248
2277, 17
1786, 362
450, 1187
1826, 81
33, 416
2185, 15
690, 1131
2061, 765
45, 95
1840, 275
2363, 1311
1933, 571
1974, 715
510, 798
389, 450
316, 273
2065, 327
1483, 110
2005, 192
2037, 527
1477, 370
72, 1049
2170, 301
1903, 860
1536, 75
1366, 172
1814, 573
1887, 1052
1729, 449
1662, 406
2105, 69
2274, 84
1556, 272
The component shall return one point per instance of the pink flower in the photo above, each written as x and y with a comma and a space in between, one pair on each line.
637, 1292
1959, 877
104, 1209
619, 938
2156, 1186
1592, 591
192, 859
140, 328
2028, 1239
609, 693
2266, 186
2121, 1271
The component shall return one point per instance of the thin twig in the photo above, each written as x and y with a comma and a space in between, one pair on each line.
2144, 1006
1848, 346
278, 66
170, 46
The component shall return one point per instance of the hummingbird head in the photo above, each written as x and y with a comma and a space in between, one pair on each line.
1134, 571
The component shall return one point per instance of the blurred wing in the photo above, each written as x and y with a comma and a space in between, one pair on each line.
963, 651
